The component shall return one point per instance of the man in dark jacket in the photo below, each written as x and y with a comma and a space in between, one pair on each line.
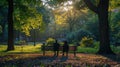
56, 48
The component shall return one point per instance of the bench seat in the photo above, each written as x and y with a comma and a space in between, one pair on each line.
50, 48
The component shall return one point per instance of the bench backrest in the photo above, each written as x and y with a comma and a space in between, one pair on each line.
50, 48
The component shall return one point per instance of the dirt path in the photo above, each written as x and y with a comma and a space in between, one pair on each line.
81, 59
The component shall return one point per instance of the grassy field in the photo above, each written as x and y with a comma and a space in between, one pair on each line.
31, 56
21, 49
37, 49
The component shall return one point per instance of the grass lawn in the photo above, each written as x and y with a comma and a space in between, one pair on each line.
86, 50
21, 49
37, 49
23, 55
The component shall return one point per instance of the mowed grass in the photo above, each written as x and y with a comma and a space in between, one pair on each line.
86, 50
94, 50
21, 49
37, 49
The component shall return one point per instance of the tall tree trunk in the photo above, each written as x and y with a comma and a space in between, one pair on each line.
10, 26
102, 11
104, 27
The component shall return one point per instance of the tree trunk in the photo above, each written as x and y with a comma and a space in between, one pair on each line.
102, 11
104, 28
10, 26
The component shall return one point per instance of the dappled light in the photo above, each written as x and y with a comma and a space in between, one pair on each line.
59, 33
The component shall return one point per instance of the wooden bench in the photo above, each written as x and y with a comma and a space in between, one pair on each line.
50, 48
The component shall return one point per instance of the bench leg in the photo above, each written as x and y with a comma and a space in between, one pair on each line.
43, 52
74, 53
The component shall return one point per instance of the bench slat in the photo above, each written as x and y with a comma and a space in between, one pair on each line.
71, 48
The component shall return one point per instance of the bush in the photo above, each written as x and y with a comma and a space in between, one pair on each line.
50, 41
71, 37
21, 42
78, 35
96, 44
87, 42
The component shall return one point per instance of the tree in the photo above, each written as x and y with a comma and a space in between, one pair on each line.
26, 16
115, 27
10, 26
102, 11
92, 24
75, 19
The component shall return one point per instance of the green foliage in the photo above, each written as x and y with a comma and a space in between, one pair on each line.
79, 4
47, 15
115, 49
114, 4
87, 42
78, 35
86, 49
96, 44
21, 42
92, 25
3, 3
50, 41
115, 27
26, 16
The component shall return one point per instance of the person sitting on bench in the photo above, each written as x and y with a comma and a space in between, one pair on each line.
65, 48
56, 48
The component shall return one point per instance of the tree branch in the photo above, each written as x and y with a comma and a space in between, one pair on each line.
91, 6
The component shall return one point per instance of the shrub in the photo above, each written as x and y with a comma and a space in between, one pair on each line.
78, 35
87, 42
96, 44
21, 42
50, 41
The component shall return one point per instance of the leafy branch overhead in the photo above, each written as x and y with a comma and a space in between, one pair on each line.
26, 16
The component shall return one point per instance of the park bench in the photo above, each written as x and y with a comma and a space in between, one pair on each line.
50, 48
